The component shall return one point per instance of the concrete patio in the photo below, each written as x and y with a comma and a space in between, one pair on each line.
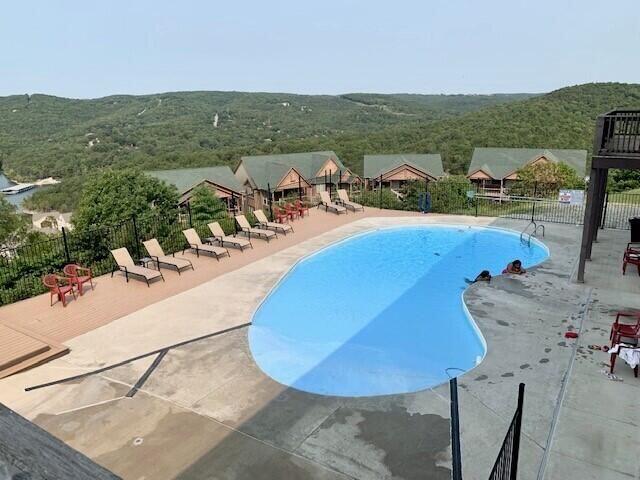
207, 411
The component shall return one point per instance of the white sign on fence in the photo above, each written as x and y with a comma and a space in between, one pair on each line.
572, 197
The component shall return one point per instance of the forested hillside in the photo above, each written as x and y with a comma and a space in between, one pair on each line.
50, 136
44, 136
564, 118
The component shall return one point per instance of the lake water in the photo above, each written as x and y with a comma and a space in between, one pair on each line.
14, 199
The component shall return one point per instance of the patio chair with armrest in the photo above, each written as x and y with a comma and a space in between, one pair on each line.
78, 275
302, 210
220, 237
264, 222
343, 197
291, 211
246, 227
195, 244
625, 330
619, 351
327, 203
157, 255
631, 256
281, 216
58, 286
125, 264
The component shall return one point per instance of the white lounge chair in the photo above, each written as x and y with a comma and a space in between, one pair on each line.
220, 237
325, 201
344, 200
264, 222
246, 227
125, 264
193, 239
157, 255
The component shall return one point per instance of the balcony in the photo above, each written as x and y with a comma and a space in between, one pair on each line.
619, 134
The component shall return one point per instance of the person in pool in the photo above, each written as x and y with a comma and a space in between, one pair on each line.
483, 276
515, 268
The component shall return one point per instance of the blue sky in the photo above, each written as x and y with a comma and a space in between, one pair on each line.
90, 49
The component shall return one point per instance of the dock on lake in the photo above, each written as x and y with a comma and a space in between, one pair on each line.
19, 188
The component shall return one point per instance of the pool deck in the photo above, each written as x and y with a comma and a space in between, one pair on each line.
207, 411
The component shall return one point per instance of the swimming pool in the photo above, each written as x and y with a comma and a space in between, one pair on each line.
381, 312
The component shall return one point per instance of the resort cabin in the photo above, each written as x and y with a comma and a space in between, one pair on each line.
394, 171
290, 175
494, 170
220, 180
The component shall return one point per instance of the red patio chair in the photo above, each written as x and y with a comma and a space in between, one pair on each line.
281, 216
302, 210
614, 356
291, 211
631, 256
58, 286
78, 275
627, 330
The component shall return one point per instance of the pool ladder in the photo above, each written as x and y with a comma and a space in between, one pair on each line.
525, 235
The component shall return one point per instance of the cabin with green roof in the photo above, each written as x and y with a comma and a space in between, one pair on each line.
497, 168
396, 170
290, 174
220, 180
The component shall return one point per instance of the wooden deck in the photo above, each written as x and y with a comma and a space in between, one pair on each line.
26, 327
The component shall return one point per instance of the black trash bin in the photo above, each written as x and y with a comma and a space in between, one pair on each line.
634, 223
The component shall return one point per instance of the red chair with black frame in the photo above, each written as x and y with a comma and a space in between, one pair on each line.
79, 276
631, 256
58, 286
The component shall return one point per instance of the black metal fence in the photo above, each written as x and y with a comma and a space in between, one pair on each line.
22, 267
506, 466
539, 202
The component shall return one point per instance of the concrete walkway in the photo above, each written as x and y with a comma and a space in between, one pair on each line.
207, 411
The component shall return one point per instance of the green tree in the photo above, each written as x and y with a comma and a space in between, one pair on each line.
206, 206
117, 195
9, 220
547, 177
623, 180
449, 194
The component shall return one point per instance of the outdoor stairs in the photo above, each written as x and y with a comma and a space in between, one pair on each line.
21, 349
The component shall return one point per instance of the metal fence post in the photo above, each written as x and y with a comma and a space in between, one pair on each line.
476, 198
330, 183
455, 431
66, 245
533, 203
516, 434
270, 201
299, 189
380, 193
604, 214
137, 238
189, 213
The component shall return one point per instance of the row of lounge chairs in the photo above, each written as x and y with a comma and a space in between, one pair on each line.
215, 246
341, 205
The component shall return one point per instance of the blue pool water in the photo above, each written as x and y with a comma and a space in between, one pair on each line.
381, 312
